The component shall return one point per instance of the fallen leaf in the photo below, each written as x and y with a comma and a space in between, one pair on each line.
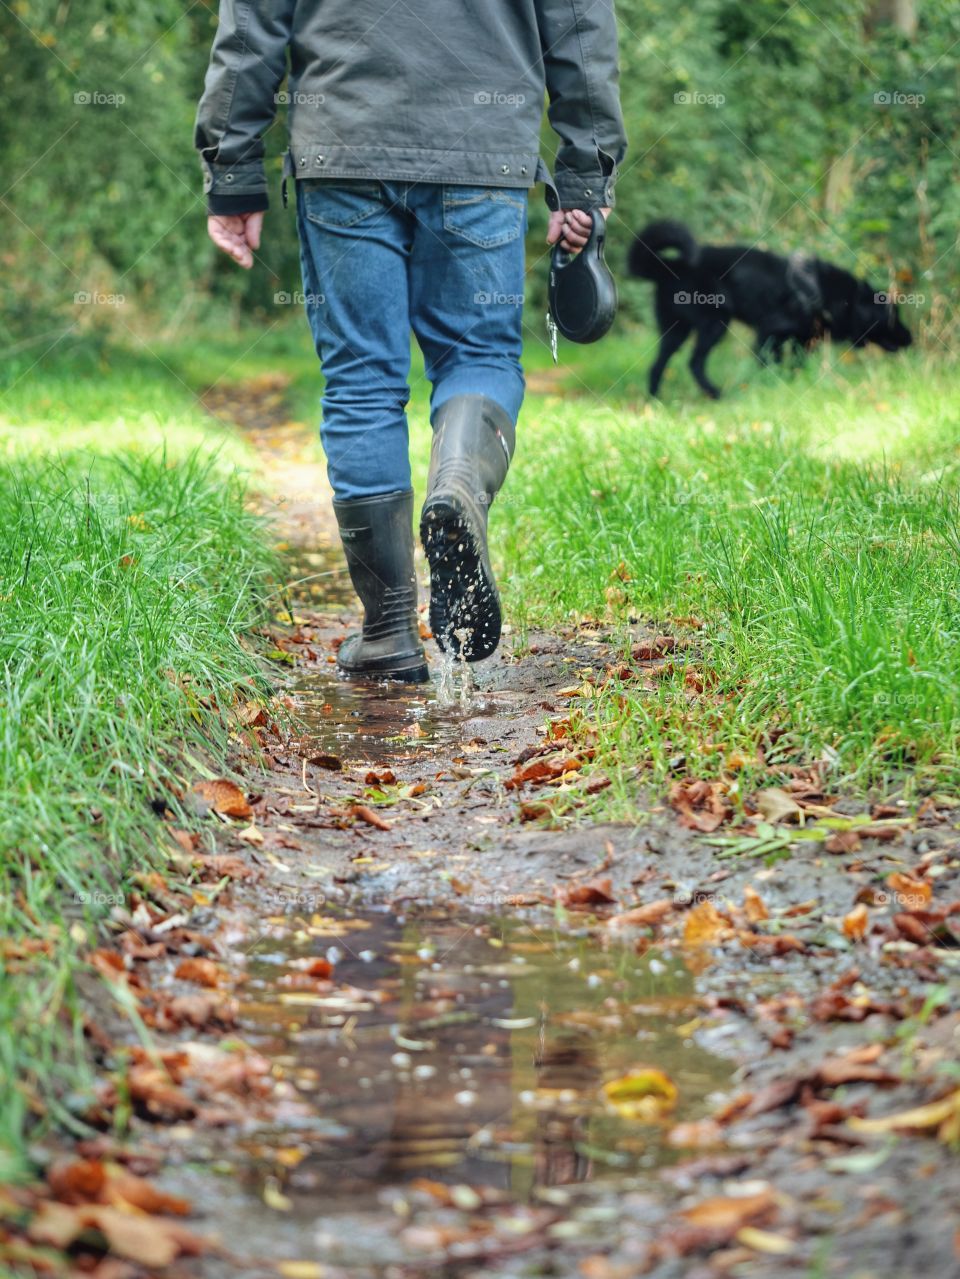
251, 835
364, 814
753, 905
645, 1094
149, 1241
843, 841
331, 762
704, 925
202, 971
731, 1213
642, 916
765, 1241
224, 797
856, 922
912, 894
776, 805
943, 1115
595, 892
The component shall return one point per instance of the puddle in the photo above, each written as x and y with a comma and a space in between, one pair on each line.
382, 723
449, 1053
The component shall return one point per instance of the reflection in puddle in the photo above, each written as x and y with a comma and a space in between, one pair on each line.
459, 1054
375, 722
384, 723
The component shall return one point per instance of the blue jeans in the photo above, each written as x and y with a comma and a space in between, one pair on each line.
381, 258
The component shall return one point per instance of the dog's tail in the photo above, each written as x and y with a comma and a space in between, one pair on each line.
647, 253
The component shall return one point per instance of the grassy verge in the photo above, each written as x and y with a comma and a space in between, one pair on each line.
802, 536
126, 583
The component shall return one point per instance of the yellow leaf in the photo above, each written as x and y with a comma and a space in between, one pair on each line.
645, 1094
274, 1197
301, 1269
930, 1116
764, 1241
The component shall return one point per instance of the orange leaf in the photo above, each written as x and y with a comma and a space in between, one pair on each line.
753, 905
224, 797
912, 894
855, 924
364, 814
704, 925
202, 971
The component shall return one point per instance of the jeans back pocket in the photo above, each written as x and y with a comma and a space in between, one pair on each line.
484, 216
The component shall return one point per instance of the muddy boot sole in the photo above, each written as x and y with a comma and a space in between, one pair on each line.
465, 614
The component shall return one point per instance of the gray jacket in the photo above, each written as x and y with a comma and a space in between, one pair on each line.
414, 90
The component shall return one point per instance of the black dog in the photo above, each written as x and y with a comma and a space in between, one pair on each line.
701, 288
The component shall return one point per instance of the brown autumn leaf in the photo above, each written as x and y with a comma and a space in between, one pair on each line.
386, 778
124, 1188
651, 650
843, 841
753, 905
704, 925
251, 715
642, 916
776, 943
544, 770
775, 805
364, 814
912, 894
856, 922
202, 971
75, 1181
213, 866
595, 892
701, 805
150, 1241
333, 763
724, 1213
224, 797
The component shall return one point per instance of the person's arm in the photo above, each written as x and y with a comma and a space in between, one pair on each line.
247, 66
579, 41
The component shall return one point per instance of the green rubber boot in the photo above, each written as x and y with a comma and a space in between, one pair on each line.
377, 537
473, 443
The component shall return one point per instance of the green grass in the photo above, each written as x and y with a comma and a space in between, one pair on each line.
809, 520
126, 583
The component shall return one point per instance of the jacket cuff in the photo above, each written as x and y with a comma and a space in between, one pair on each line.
584, 191
225, 205
247, 180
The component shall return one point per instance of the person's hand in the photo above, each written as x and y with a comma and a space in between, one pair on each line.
571, 227
237, 234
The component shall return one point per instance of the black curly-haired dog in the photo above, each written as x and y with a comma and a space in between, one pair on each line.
700, 288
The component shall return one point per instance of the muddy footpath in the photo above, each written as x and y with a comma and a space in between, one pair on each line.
398, 1012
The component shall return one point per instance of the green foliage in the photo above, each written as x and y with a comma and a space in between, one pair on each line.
809, 522
105, 196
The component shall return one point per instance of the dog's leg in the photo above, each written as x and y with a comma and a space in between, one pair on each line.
671, 340
707, 339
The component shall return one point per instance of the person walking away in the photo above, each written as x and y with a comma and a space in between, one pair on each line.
413, 143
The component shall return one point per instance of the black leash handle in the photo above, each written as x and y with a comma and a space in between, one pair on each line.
581, 289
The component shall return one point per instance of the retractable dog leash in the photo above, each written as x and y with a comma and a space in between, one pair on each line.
581, 291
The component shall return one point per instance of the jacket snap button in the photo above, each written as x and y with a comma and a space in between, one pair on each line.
303, 160
523, 168
504, 168
319, 159
588, 192
228, 177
